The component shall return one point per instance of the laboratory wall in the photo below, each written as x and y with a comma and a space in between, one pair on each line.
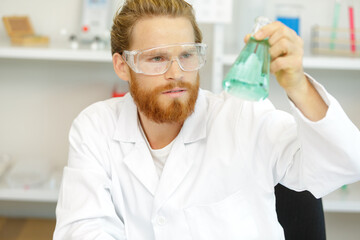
39, 99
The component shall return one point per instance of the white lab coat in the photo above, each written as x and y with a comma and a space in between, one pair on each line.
218, 181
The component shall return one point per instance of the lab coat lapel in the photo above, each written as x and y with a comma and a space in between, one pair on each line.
140, 163
179, 162
136, 153
175, 170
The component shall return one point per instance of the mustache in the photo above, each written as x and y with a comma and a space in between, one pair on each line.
172, 85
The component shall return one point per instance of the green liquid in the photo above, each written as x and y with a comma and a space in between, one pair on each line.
248, 78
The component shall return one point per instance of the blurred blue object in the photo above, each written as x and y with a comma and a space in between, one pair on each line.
291, 22
289, 14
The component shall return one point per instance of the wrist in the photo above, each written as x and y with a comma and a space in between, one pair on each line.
307, 99
301, 89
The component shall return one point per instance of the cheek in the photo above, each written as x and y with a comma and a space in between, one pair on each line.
143, 82
191, 76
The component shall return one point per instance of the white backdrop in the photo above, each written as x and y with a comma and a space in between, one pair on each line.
39, 99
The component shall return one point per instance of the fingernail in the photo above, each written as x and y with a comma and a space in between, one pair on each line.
258, 35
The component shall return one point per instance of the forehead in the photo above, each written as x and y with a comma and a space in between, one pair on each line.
156, 31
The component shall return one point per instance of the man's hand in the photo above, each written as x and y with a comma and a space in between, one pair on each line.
286, 51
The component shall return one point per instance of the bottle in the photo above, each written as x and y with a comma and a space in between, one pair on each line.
248, 78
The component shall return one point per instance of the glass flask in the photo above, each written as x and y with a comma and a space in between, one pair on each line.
248, 77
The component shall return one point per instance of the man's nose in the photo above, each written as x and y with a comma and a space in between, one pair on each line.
174, 72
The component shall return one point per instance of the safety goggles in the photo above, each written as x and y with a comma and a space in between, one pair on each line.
157, 60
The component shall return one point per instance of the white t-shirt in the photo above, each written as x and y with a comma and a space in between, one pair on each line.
159, 155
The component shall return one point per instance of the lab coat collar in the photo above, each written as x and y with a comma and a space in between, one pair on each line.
127, 129
194, 128
139, 160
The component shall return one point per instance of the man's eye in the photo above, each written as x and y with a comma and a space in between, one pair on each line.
186, 55
157, 59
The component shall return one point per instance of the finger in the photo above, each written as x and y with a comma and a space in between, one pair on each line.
285, 47
275, 31
281, 48
247, 37
268, 30
288, 63
281, 33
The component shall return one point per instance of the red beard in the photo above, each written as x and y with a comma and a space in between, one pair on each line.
176, 111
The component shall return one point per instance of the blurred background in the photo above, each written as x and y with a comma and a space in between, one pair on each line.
53, 68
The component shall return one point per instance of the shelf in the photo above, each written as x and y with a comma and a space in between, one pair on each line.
343, 200
64, 53
316, 62
54, 52
331, 63
43, 193
29, 195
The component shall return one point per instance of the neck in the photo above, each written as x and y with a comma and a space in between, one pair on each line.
159, 135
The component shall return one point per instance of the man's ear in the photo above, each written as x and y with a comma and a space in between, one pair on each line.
120, 67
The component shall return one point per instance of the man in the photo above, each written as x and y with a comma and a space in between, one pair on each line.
170, 161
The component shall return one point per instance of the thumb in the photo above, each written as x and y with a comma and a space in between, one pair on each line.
247, 37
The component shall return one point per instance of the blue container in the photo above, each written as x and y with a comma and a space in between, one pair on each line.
291, 22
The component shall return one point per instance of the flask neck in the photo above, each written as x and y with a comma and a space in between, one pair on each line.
259, 23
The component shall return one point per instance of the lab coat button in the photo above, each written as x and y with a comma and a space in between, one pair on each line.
161, 220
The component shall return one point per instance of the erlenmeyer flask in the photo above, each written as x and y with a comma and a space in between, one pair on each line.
248, 78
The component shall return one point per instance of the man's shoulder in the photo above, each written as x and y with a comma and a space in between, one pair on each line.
102, 117
104, 112
110, 106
